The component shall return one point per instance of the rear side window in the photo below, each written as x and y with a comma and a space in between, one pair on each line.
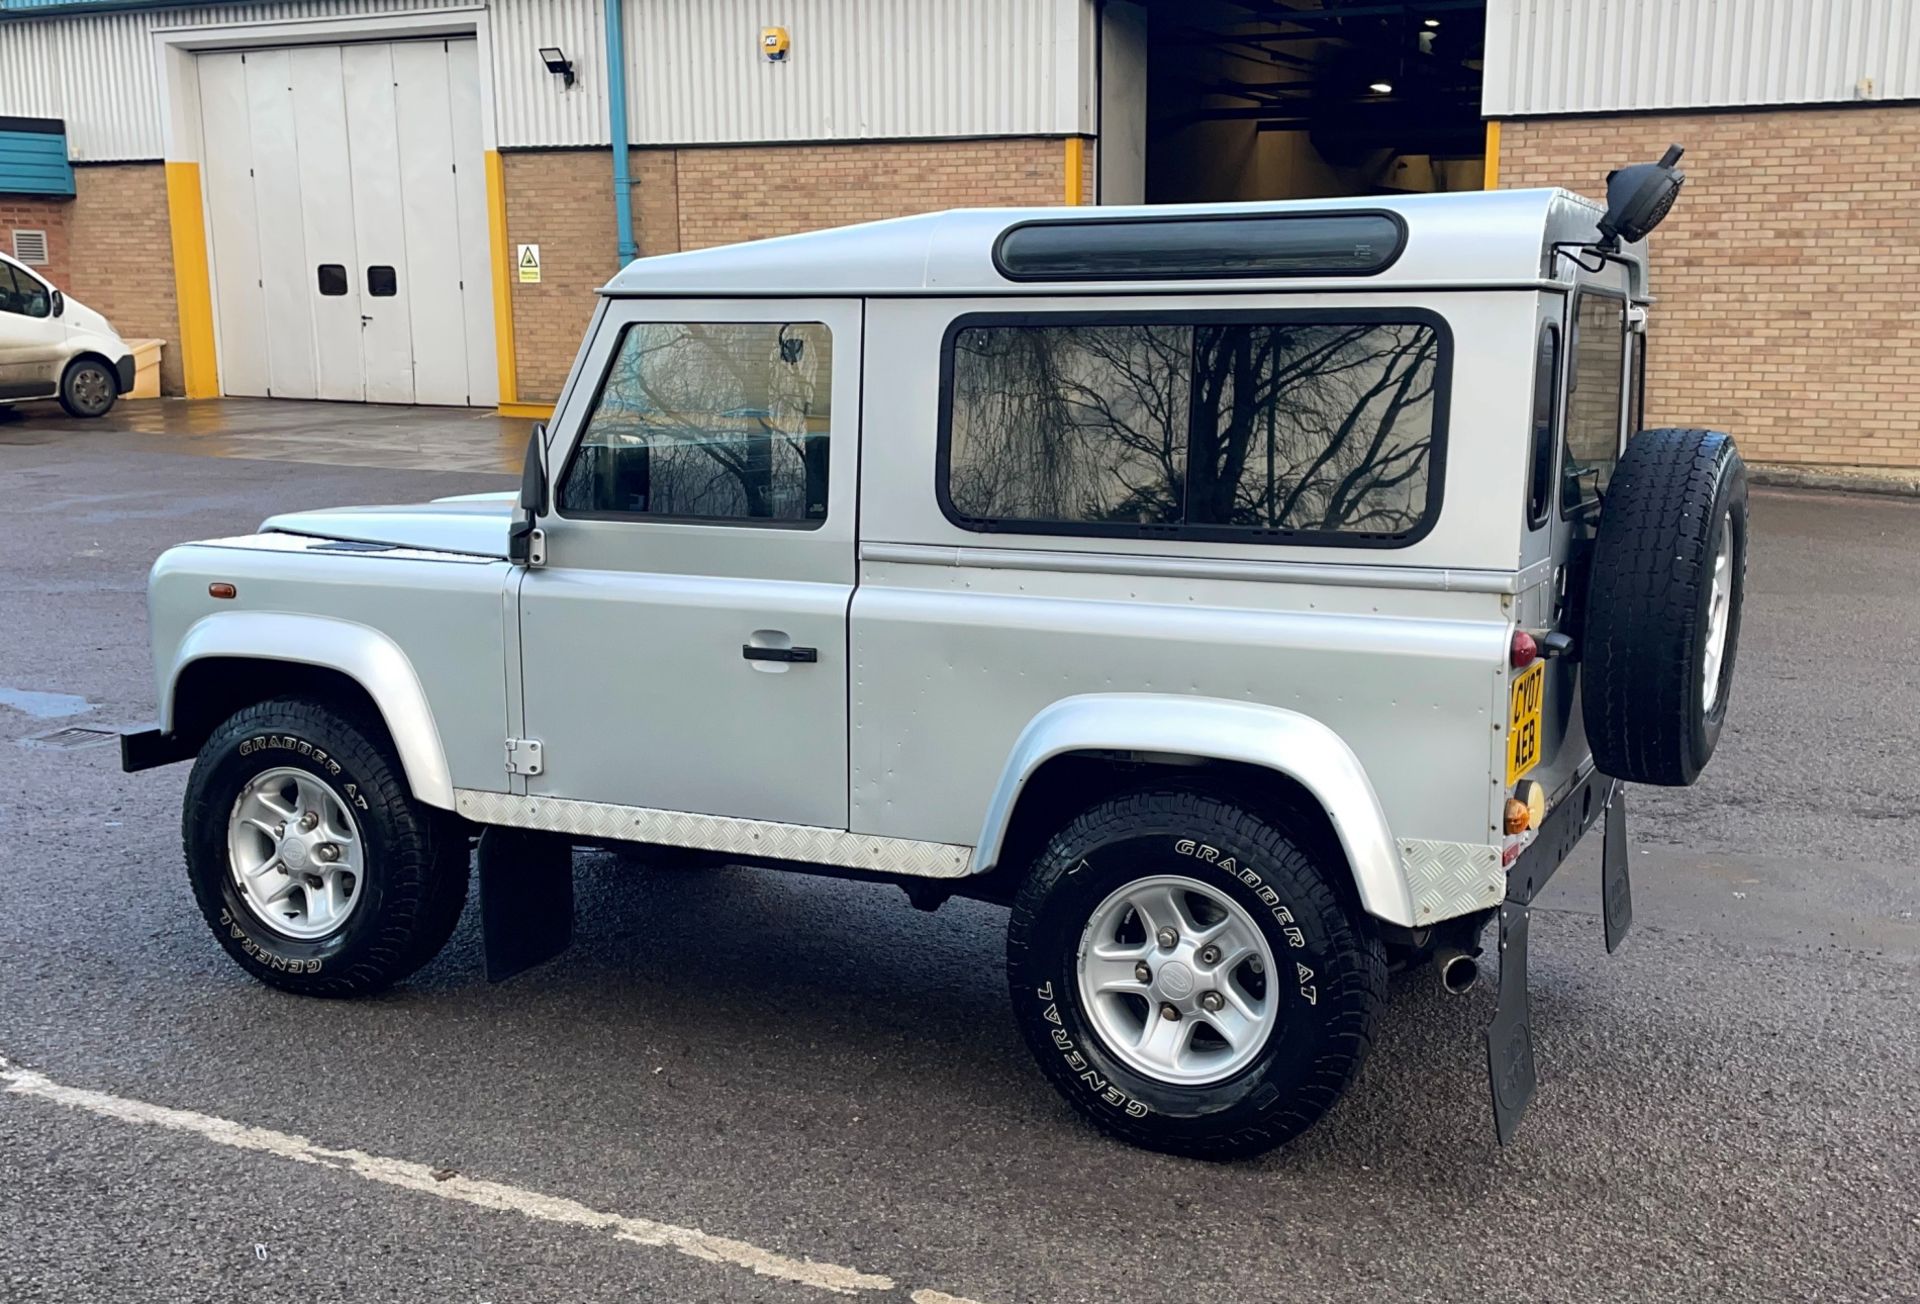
1298, 427
1546, 391
1595, 387
716, 421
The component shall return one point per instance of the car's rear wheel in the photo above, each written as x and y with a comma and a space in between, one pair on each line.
1662, 619
89, 388
1189, 976
308, 856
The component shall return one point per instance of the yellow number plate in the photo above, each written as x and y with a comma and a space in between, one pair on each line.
1523, 722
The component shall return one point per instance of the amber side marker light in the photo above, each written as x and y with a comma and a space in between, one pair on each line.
221, 589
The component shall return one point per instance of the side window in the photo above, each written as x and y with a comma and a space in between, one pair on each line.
717, 421
1546, 393
1594, 390
21, 294
1203, 428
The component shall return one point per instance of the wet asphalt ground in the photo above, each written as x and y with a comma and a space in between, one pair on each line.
1729, 1107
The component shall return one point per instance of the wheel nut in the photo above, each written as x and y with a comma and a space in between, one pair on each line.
280, 829
1142, 973
309, 821
1212, 1002
315, 881
1170, 1014
1166, 937
327, 851
1209, 955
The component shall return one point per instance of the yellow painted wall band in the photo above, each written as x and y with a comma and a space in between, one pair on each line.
1076, 155
502, 293
192, 288
1492, 165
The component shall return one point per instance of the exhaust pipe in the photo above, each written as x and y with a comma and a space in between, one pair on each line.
1458, 971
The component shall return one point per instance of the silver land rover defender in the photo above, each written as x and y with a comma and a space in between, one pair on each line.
1252, 597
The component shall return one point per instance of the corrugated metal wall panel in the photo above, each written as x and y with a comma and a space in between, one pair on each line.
1590, 56
95, 71
531, 105
859, 69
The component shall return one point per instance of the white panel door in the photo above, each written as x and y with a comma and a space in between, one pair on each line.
379, 220
326, 175
227, 174
430, 281
470, 193
278, 205
346, 195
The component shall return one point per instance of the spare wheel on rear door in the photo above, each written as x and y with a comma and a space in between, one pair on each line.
1662, 619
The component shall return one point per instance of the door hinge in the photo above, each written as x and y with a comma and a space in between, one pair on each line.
523, 756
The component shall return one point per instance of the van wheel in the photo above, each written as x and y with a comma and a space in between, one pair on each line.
311, 861
1188, 977
1662, 623
89, 388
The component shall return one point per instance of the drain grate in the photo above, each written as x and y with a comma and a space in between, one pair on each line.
72, 738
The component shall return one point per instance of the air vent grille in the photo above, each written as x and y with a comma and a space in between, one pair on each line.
30, 247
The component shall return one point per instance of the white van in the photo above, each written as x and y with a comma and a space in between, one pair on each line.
55, 347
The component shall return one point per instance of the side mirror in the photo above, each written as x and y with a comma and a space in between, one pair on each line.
59, 304
525, 544
1638, 197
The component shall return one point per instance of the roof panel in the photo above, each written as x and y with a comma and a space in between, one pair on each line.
1475, 238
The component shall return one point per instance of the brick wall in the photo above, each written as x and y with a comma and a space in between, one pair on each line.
1786, 275
696, 197
49, 215
121, 263
751, 191
561, 200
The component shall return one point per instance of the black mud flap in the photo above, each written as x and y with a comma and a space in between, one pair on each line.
1510, 1065
1510, 1036
526, 899
1616, 885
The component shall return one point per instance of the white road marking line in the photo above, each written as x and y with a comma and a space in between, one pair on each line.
465, 1190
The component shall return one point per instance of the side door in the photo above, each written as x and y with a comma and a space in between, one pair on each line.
32, 339
684, 647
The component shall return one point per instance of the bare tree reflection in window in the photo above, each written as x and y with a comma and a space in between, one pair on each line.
1079, 423
716, 420
1316, 427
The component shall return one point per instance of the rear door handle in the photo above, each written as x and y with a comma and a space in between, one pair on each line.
807, 655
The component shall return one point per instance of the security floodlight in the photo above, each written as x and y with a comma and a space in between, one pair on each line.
557, 63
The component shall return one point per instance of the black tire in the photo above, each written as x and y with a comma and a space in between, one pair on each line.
1331, 999
415, 871
89, 388
1648, 600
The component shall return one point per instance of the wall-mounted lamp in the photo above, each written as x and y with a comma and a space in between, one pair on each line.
557, 63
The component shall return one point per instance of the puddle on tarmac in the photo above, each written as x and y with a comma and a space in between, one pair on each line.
44, 706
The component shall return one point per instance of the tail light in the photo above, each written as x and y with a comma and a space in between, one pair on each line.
1524, 650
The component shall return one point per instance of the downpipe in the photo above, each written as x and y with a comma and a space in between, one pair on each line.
1458, 971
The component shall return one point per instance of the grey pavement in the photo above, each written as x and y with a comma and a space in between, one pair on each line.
1729, 1107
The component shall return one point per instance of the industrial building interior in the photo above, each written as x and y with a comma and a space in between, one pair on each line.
1260, 99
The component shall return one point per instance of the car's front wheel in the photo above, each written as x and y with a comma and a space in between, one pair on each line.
308, 856
89, 388
1188, 976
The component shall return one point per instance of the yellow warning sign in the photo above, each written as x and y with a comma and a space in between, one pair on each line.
530, 264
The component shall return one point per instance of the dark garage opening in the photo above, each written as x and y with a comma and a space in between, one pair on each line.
1259, 99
